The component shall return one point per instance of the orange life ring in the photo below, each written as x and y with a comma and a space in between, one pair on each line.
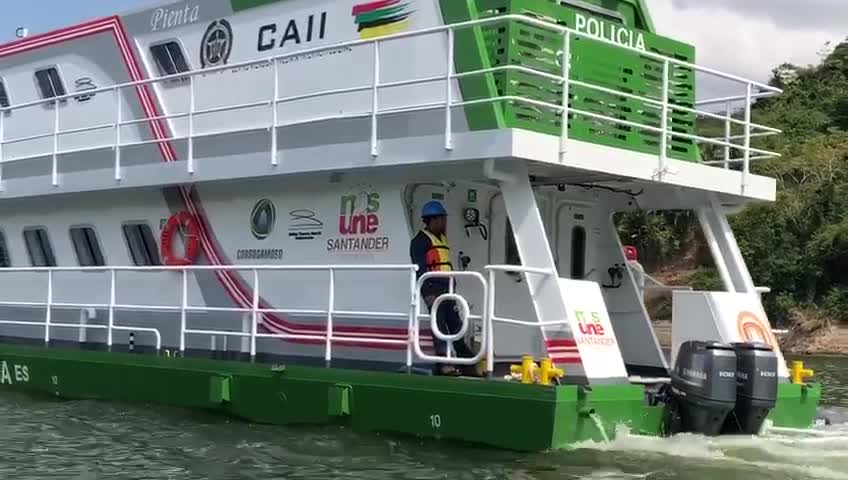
181, 221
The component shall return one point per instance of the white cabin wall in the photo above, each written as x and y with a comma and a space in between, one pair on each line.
333, 69
87, 62
87, 210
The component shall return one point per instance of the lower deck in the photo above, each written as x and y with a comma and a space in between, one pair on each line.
526, 417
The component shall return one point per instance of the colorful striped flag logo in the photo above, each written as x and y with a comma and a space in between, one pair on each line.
381, 17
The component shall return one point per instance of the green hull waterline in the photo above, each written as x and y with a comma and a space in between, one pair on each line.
499, 414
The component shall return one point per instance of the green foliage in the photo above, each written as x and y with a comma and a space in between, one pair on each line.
797, 246
706, 280
659, 236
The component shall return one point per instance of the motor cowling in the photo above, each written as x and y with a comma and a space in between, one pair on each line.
756, 387
703, 385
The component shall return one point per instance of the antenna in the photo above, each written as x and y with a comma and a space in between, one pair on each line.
22, 32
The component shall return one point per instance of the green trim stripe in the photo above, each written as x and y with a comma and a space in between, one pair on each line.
239, 5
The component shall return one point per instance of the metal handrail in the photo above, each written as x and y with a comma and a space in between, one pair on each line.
465, 316
665, 105
184, 308
490, 308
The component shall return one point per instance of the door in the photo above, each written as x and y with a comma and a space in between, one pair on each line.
573, 240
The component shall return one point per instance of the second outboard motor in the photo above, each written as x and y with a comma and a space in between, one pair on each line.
756, 381
703, 386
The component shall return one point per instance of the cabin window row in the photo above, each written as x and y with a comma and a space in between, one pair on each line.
169, 58
48, 80
141, 244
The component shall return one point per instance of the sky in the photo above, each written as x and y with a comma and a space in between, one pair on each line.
738, 36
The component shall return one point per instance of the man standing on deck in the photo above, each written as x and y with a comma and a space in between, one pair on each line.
431, 252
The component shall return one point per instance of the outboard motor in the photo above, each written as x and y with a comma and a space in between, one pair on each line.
756, 387
703, 386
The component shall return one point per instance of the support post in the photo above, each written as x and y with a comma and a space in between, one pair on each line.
566, 94
489, 323
191, 107
255, 314
2, 142
375, 102
331, 304
48, 316
275, 160
728, 131
183, 307
746, 163
664, 122
118, 134
449, 91
245, 328
55, 167
412, 333
712, 242
112, 296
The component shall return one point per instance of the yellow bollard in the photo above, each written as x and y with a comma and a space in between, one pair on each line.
797, 373
548, 372
526, 369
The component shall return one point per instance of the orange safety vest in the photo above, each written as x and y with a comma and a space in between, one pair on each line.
438, 255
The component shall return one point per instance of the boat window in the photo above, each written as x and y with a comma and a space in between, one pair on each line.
169, 58
4, 95
5, 260
141, 244
511, 256
87, 247
578, 253
39, 248
50, 83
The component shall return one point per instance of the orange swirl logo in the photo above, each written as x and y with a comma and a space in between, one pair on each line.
752, 329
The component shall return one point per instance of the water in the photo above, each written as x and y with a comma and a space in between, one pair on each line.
43, 439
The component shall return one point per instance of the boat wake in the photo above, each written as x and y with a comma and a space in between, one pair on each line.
818, 453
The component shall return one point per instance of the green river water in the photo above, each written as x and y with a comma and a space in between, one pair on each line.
45, 439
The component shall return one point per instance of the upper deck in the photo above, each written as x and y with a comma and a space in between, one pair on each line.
289, 87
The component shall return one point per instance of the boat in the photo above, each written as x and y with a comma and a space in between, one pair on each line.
210, 204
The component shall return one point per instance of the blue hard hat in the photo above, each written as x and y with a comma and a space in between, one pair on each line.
433, 209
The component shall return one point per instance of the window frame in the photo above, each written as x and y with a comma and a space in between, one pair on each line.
578, 232
147, 253
48, 254
4, 93
161, 67
5, 253
61, 83
92, 241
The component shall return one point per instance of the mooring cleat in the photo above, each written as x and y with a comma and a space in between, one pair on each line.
797, 373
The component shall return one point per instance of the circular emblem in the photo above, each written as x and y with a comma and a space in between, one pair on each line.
262, 219
752, 329
217, 44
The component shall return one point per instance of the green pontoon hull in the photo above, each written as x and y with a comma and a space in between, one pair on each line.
495, 413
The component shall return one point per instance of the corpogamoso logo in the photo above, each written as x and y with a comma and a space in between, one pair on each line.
377, 18
217, 44
262, 219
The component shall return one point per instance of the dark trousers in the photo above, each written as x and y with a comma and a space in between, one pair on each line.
448, 321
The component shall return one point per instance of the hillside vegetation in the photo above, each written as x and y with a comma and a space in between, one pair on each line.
797, 246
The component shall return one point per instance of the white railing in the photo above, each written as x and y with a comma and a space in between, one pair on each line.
491, 271
465, 317
184, 308
741, 144
249, 330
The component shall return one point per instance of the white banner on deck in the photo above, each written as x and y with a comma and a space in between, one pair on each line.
592, 329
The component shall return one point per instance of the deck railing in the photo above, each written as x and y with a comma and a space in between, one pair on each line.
253, 314
737, 148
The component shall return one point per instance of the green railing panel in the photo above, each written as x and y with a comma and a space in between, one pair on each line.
593, 62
